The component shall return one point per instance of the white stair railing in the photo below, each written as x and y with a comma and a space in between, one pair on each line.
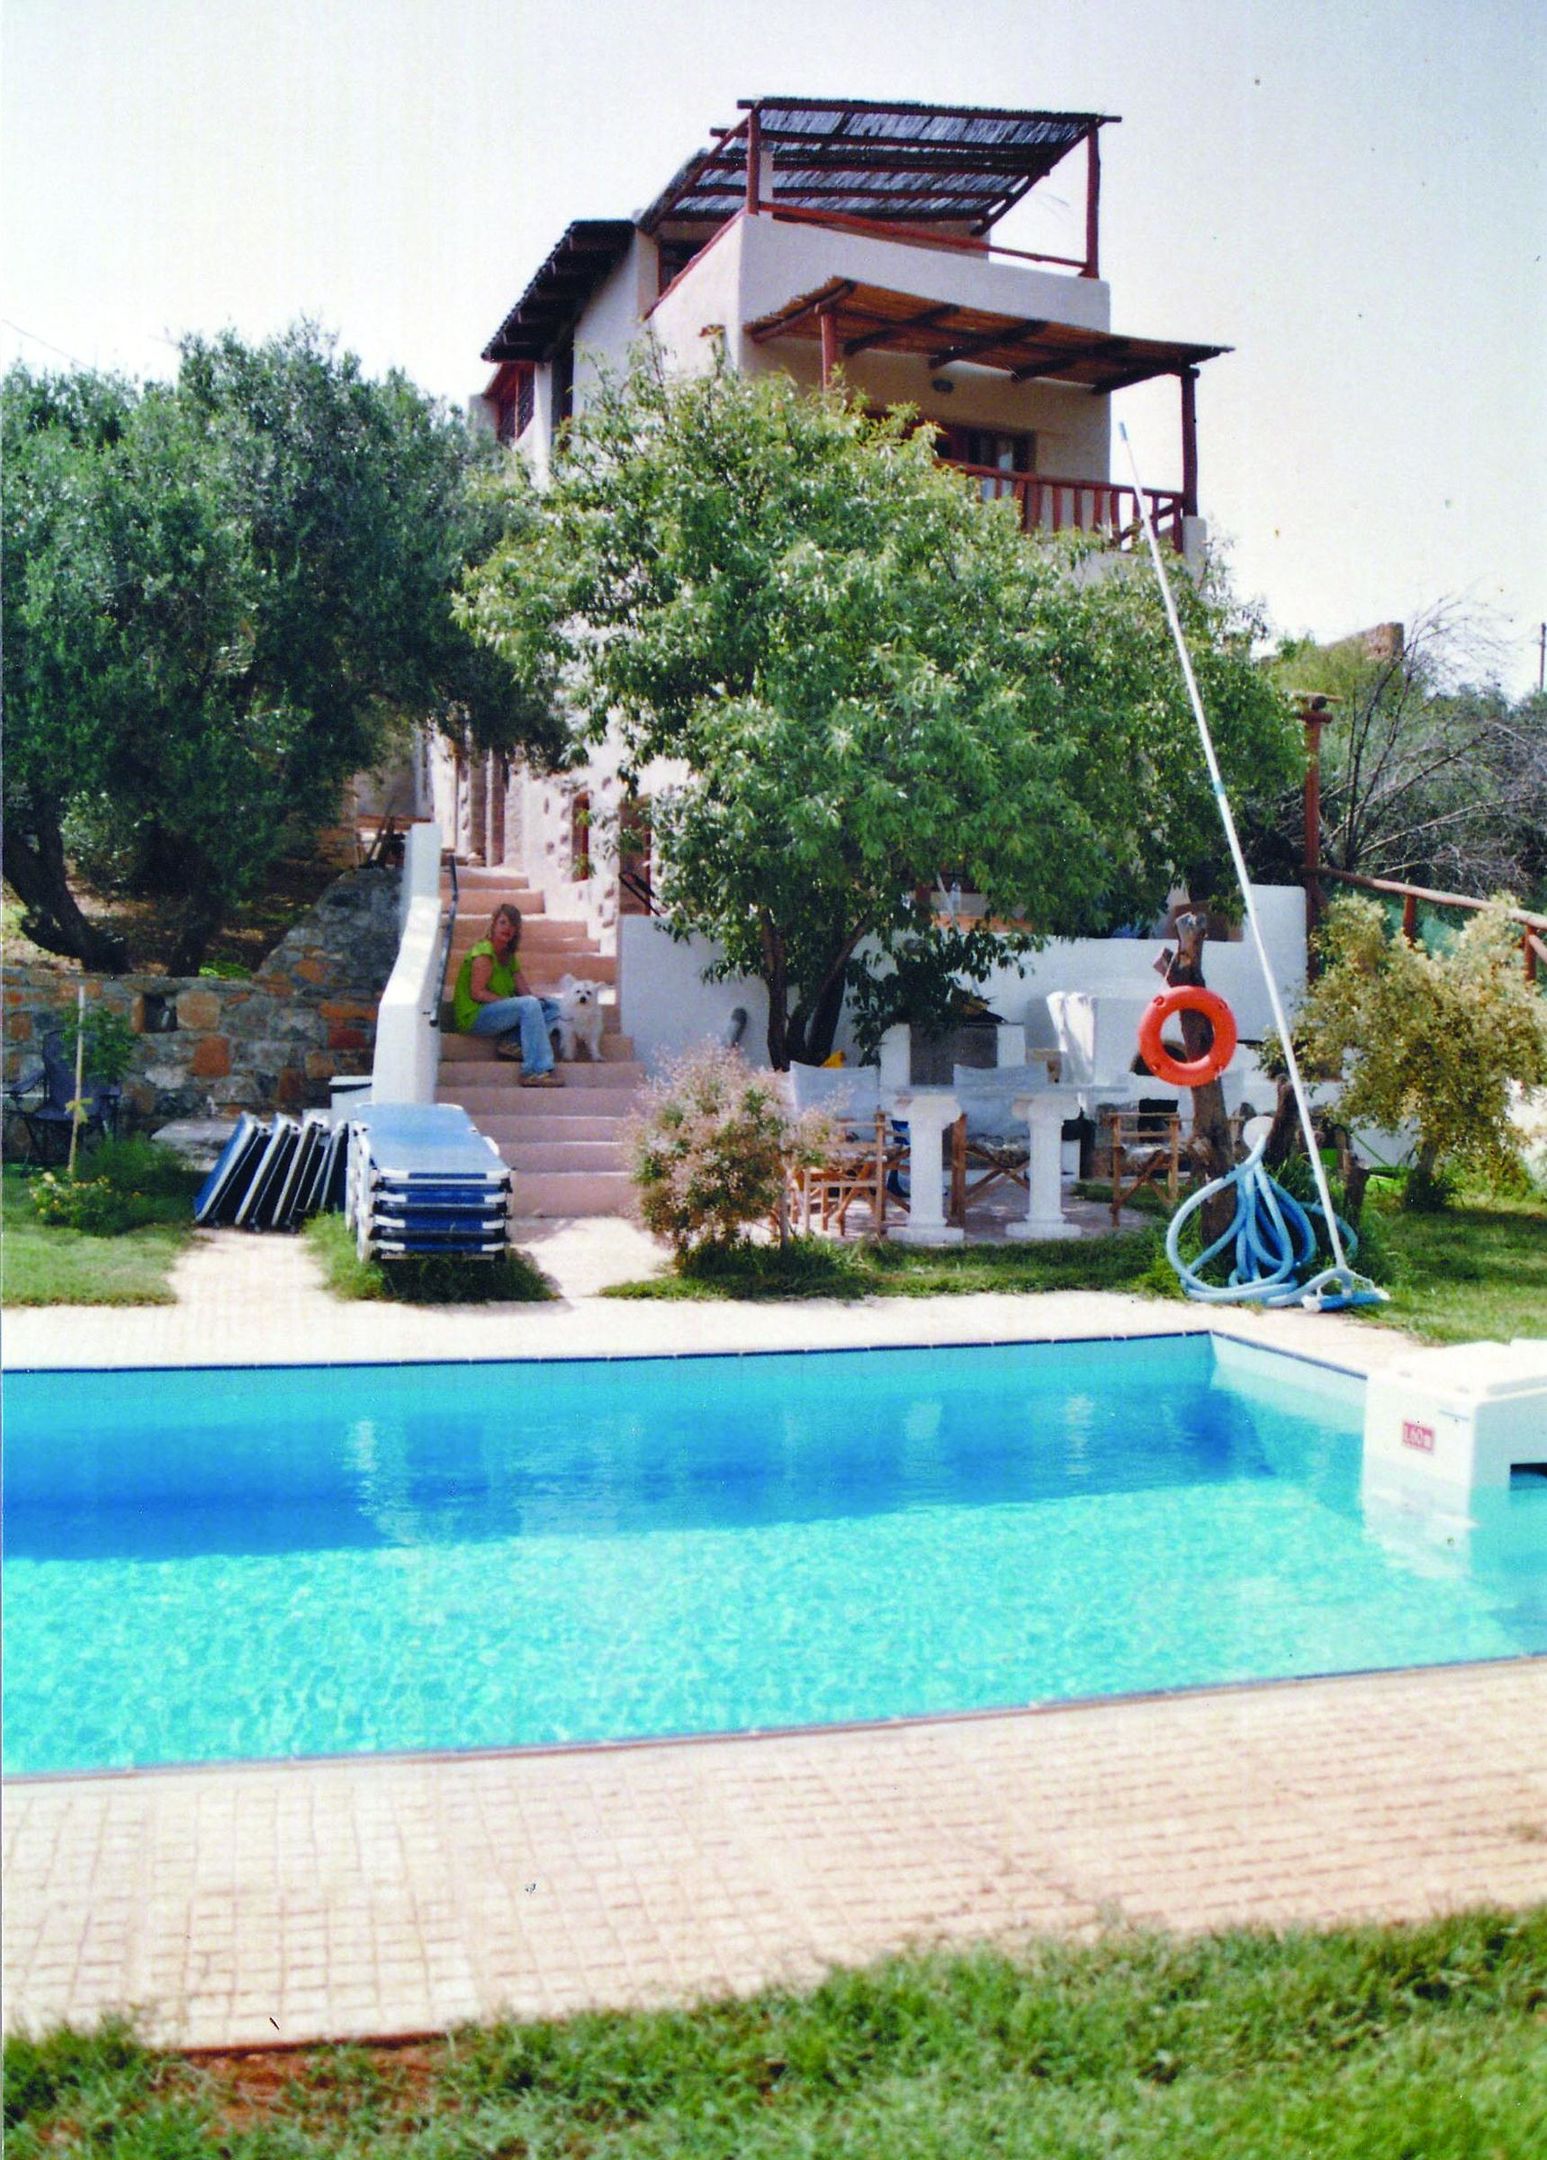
408, 1018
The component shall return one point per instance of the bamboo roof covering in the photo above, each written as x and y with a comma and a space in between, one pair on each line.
554, 298
867, 317
951, 164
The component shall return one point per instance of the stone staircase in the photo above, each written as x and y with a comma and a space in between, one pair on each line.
562, 1143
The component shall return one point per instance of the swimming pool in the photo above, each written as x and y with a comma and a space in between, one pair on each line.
265, 1562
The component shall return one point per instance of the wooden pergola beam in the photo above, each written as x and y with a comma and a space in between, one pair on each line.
986, 340
887, 334
836, 290
1061, 362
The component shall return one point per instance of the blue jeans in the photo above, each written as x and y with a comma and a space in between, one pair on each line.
528, 1017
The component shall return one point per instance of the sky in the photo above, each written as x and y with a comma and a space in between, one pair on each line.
1352, 196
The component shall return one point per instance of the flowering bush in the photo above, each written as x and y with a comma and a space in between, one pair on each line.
710, 1148
90, 1204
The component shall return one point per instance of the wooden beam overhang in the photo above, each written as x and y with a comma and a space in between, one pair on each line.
862, 317
1009, 333
1061, 363
888, 335
788, 321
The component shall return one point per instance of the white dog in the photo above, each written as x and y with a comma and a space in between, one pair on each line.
580, 1018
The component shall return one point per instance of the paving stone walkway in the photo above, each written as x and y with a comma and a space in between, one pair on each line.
385, 1897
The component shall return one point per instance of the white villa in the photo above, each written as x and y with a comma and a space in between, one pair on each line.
814, 235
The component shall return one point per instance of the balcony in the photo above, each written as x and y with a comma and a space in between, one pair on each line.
1107, 510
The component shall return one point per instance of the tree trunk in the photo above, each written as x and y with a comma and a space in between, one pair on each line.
35, 870
776, 983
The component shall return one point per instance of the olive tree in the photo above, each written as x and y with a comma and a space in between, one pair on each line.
222, 594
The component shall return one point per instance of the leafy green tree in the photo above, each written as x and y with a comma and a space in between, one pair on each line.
1428, 771
222, 594
1435, 1039
863, 676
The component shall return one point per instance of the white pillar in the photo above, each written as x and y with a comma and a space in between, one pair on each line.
930, 1113
895, 1057
1044, 1113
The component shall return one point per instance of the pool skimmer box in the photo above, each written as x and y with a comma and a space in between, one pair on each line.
1462, 1417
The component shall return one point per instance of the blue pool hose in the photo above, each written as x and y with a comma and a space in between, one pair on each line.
1275, 1241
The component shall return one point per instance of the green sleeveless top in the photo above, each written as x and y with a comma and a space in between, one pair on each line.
502, 981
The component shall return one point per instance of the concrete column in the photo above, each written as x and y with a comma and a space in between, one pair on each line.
1044, 1113
930, 1114
895, 1058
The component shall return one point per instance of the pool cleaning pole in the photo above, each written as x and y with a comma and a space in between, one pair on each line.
1302, 1101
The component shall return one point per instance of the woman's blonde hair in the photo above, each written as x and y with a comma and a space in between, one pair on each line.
512, 915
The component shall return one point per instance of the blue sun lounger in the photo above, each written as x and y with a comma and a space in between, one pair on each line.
423, 1179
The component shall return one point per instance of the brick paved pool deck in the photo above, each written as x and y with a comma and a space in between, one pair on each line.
283, 1902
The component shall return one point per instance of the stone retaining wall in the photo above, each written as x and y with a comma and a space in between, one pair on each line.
273, 1042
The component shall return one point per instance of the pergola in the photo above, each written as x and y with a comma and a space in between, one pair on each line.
847, 318
958, 165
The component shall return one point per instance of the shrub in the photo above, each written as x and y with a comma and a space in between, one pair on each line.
1442, 1040
710, 1150
123, 1185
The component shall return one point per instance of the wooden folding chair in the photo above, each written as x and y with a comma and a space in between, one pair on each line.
979, 1162
856, 1171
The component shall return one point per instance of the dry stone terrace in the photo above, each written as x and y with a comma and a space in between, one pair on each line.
206, 1044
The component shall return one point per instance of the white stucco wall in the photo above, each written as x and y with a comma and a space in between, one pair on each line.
666, 1006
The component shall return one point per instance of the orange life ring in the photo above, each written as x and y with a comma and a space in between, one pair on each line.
1194, 1072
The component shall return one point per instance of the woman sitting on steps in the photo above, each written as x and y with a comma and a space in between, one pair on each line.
491, 999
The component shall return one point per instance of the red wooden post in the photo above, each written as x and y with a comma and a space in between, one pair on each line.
754, 162
1189, 382
1313, 713
827, 322
1410, 917
1528, 947
1092, 203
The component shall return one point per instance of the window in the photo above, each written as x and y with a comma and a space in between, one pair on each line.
513, 414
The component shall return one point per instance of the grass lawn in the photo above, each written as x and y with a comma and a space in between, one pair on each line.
1476, 1270
1357, 2045
46, 1265
812, 1267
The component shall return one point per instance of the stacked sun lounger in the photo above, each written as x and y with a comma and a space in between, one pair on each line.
422, 1180
274, 1172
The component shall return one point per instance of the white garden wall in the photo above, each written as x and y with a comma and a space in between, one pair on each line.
666, 1006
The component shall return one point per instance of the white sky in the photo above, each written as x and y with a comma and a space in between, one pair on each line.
1354, 196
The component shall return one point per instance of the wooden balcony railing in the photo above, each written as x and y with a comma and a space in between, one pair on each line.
1105, 507
1532, 945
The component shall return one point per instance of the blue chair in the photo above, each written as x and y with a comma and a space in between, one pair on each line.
42, 1098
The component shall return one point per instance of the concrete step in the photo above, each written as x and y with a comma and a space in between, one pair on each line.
472, 923
617, 1049
525, 903
529, 1117
588, 1090
533, 1156
579, 1108
553, 1193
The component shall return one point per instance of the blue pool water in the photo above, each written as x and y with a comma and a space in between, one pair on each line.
309, 1561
